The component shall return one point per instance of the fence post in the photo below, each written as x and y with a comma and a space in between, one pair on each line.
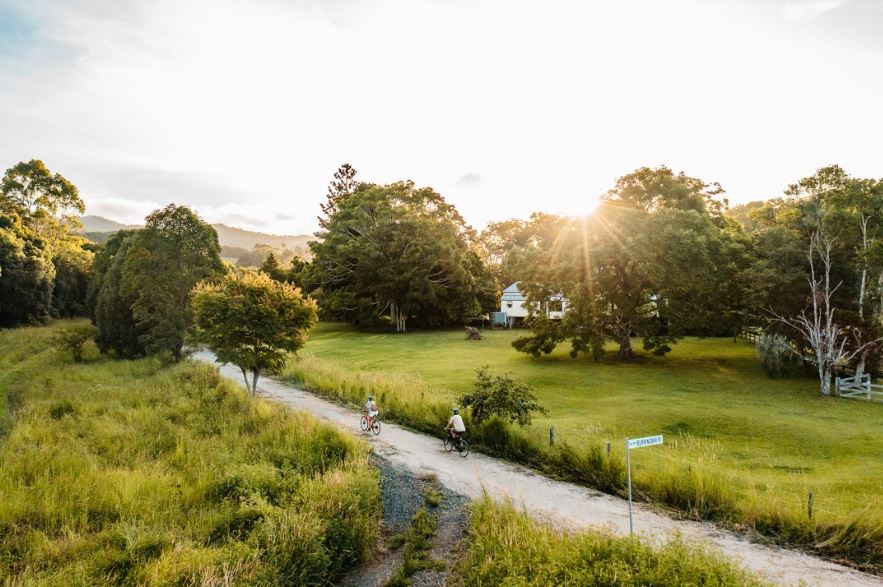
552, 436
809, 505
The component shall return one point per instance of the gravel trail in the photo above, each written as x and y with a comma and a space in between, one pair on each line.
563, 504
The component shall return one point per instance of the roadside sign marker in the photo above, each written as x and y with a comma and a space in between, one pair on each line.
631, 443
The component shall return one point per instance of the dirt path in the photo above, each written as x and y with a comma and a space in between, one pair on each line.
555, 501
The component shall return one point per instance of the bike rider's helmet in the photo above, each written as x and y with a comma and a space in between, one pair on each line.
370, 398
456, 411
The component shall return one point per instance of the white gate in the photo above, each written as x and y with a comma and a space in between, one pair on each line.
859, 387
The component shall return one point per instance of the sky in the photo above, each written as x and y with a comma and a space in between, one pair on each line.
244, 109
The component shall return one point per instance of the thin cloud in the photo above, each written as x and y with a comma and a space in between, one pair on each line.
469, 180
796, 11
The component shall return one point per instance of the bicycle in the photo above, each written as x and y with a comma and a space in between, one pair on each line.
375, 426
460, 443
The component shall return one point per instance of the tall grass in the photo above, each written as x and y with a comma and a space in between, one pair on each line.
702, 490
507, 548
131, 472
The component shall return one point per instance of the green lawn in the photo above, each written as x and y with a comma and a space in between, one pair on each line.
770, 440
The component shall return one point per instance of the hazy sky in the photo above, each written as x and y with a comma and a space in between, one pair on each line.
245, 109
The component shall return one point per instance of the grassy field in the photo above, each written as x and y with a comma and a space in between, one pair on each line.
133, 472
748, 449
506, 548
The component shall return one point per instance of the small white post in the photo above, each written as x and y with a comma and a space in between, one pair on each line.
628, 466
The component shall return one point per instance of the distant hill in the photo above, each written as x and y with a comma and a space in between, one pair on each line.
102, 224
230, 236
98, 228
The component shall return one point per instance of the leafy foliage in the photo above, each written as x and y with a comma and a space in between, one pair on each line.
775, 353
43, 269
73, 262
650, 261
501, 396
72, 338
252, 321
400, 251
46, 202
26, 276
175, 251
342, 185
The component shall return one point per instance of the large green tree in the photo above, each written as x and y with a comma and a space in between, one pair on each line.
74, 267
657, 260
46, 268
118, 333
46, 202
252, 321
26, 275
342, 185
175, 251
402, 252
833, 217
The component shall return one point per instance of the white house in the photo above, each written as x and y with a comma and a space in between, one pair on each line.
514, 304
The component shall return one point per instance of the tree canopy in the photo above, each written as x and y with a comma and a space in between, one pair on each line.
398, 251
252, 321
175, 251
655, 259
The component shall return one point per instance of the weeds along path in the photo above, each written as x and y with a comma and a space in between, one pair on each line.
563, 504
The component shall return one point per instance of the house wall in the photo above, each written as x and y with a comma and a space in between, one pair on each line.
518, 309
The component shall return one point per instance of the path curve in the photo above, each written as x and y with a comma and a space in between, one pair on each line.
556, 501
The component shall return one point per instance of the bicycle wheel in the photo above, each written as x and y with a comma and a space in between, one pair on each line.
463, 448
376, 427
449, 444
363, 422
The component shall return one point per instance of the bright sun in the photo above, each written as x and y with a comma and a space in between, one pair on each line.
590, 204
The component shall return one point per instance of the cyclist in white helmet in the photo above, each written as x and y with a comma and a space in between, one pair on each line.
372, 411
456, 425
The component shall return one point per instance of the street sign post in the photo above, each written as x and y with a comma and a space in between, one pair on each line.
631, 443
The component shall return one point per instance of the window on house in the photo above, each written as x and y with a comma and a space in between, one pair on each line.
555, 306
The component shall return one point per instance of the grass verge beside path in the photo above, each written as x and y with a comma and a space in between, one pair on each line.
740, 449
131, 472
507, 548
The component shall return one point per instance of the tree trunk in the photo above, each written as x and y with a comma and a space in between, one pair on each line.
623, 332
245, 376
862, 360
398, 316
254, 383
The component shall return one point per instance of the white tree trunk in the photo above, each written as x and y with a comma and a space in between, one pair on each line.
816, 324
861, 291
398, 316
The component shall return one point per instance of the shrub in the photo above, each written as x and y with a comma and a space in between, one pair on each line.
775, 354
72, 338
500, 395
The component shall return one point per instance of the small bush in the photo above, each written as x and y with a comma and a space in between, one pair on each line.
72, 339
775, 354
500, 395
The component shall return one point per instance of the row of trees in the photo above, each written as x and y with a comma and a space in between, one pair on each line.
661, 258
44, 267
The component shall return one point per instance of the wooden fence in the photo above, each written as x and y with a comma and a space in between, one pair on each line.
858, 387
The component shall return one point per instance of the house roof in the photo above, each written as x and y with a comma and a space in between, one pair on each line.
513, 294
